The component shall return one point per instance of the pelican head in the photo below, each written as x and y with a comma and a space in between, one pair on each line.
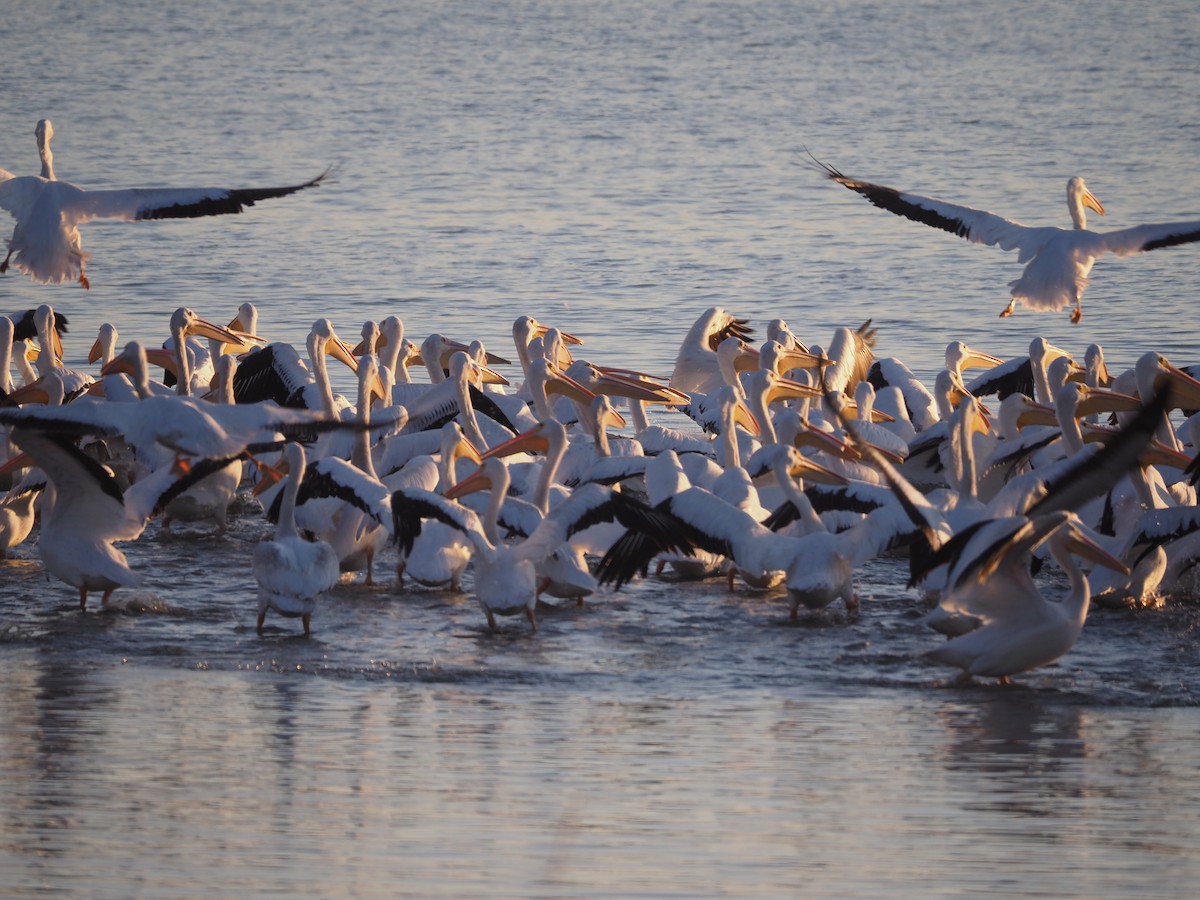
44, 132
186, 322
1079, 197
323, 338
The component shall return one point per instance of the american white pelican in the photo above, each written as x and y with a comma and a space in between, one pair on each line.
851, 356
505, 575
6, 347
84, 512
665, 478
46, 244
277, 373
292, 573
920, 406
25, 325
50, 353
925, 463
441, 553
778, 331
697, 369
563, 572
353, 502
186, 426
26, 328
1020, 629
1059, 259
186, 358
1162, 550
452, 398
17, 511
818, 567
209, 497
525, 329
104, 349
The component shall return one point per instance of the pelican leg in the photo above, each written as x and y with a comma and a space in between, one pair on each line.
1008, 310
658, 568
107, 595
731, 576
542, 585
262, 617
307, 620
1077, 312
82, 599
491, 619
1004, 679
853, 605
4, 265
532, 617
83, 279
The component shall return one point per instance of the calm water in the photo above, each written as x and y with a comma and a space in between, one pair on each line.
612, 168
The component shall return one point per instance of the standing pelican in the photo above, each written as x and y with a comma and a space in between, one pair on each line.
292, 573
1059, 259
46, 244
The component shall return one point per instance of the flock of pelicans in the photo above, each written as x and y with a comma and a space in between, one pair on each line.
793, 465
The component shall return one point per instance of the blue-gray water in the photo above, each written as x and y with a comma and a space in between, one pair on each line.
613, 168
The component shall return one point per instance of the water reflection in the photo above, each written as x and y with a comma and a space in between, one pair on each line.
1011, 732
55, 720
327, 785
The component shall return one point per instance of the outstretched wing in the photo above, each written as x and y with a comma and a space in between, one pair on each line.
134, 204
592, 504
976, 225
1128, 241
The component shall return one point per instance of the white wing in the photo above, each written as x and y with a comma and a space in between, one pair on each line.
1128, 241
976, 225
135, 204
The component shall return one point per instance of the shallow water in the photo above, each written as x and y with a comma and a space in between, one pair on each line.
613, 169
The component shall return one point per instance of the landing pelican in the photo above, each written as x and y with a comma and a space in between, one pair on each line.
46, 244
1021, 629
1059, 259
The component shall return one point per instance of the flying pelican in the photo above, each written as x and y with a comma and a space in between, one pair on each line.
1059, 259
46, 244
292, 573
